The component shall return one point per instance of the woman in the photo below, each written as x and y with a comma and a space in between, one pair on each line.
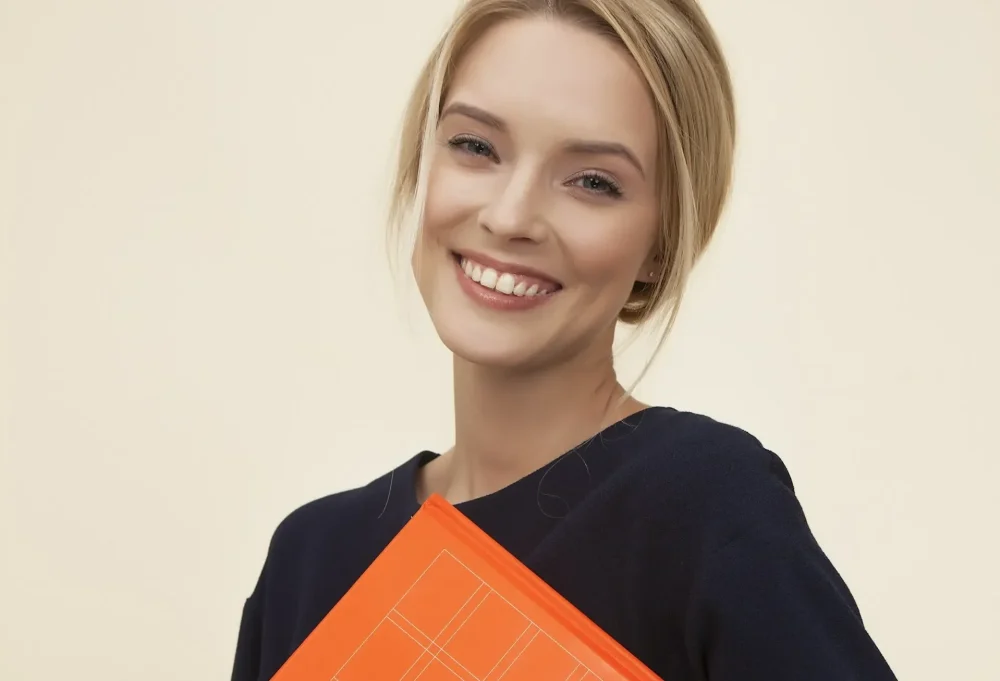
569, 160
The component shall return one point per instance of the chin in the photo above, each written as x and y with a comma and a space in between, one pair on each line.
486, 334
489, 347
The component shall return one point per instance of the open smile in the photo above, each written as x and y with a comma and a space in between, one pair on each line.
503, 286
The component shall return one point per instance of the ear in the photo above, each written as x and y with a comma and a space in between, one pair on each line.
649, 271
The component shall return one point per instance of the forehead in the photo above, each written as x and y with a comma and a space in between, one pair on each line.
557, 78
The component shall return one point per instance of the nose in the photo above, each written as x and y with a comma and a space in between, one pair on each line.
513, 213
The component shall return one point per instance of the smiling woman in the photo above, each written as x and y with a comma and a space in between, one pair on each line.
538, 161
566, 163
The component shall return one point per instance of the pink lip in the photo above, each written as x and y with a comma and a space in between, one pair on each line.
494, 299
501, 266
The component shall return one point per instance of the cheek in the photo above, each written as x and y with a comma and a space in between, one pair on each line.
609, 252
452, 199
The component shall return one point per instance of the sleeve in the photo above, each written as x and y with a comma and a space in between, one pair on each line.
769, 606
249, 641
246, 666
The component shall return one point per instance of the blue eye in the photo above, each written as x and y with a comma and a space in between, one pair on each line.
597, 183
473, 146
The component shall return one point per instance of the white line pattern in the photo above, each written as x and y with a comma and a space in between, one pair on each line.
436, 650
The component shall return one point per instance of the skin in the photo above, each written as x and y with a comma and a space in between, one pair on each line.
515, 175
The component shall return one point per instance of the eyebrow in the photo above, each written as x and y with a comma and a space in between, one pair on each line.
573, 146
605, 148
475, 113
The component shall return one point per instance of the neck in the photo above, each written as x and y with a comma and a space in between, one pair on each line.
508, 425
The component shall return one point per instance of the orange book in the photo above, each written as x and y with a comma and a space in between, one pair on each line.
444, 602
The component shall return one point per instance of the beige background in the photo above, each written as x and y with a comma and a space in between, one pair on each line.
199, 332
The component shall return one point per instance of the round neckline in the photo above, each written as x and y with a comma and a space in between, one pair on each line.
614, 430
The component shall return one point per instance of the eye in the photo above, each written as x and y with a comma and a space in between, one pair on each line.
473, 146
597, 183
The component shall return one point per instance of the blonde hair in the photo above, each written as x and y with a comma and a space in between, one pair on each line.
679, 56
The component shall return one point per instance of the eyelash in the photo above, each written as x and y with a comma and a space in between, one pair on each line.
614, 190
461, 143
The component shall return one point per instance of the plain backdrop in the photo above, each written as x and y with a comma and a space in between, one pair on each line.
200, 332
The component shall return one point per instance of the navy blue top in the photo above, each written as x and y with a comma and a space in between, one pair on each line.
679, 536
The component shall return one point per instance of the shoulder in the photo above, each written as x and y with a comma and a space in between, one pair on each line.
716, 478
702, 450
315, 554
718, 495
357, 517
761, 597
330, 514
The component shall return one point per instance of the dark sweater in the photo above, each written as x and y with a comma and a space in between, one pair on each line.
679, 536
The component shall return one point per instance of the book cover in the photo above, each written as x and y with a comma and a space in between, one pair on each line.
444, 602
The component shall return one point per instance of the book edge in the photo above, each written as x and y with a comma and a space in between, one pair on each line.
548, 598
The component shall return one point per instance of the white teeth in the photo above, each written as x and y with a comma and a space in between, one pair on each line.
506, 283
503, 282
489, 278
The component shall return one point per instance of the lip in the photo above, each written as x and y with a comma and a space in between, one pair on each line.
501, 266
494, 299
